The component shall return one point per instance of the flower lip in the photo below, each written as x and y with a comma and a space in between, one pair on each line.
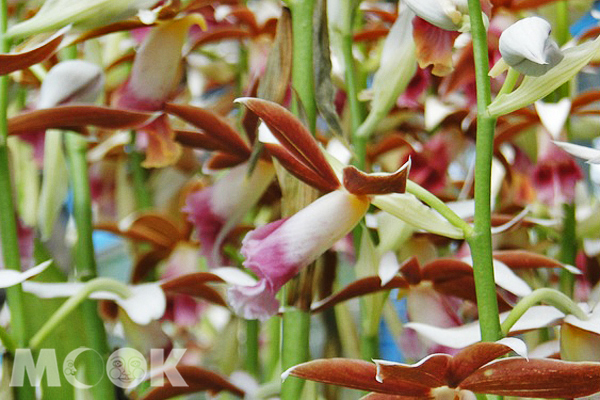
535, 55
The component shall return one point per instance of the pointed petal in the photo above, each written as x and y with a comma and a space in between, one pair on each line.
361, 287
147, 303
9, 277
388, 267
522, 259
71, 81
195, 285
554, 115
292, 135
17, 61
215, 127
541, 378
589, 154
75, 118
354, 374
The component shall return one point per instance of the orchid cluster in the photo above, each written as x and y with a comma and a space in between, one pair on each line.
393, 197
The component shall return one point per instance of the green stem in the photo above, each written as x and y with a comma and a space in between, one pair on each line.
438, 205
85, 260
302, 58
295, 349
509, 82
547, 295
8, 223
480, 241
568, 249
272, 361
296, 322
95, 285
138, 173
357, 109
7, 341
252, 348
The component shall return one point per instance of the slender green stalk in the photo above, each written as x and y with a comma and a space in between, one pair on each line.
295, 349
296, 322
95, 285
546, 295
252, 348
272, 360
568, 249
509, 82
434, 202
302, 71
480, 241
143, 197
568, 243
7, 341
85, 260
8, 223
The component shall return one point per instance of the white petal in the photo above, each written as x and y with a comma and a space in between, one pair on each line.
525, 38
546, 349
517, 345
147, 303
506, 278
554, 115
338, 150
536, 317
455, 338
589, 154
71, 81
264, 133
234, 276
9, 277
388, 267
433, 12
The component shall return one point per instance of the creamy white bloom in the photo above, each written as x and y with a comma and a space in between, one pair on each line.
527, 46
451, 15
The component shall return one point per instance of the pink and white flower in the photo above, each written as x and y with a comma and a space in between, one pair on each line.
277, 251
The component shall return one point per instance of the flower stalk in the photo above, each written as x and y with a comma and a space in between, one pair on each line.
480, 240
296, 322
547, 295
8, 223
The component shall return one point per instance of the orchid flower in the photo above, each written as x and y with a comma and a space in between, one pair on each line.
533, 88
473, 370
277, 251
527, 47
154, 77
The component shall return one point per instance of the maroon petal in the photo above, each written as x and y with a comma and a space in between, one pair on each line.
361, 287
195, 285
354, 374
541, 378
215, 126
294, 136
75, 118
360, 183
298, 169
382, 396
198, 380
522, 259
17, 61
430, 372
472, 358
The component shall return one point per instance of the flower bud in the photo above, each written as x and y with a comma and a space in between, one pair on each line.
527, 46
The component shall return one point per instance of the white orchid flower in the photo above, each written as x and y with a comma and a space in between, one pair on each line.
527, 46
